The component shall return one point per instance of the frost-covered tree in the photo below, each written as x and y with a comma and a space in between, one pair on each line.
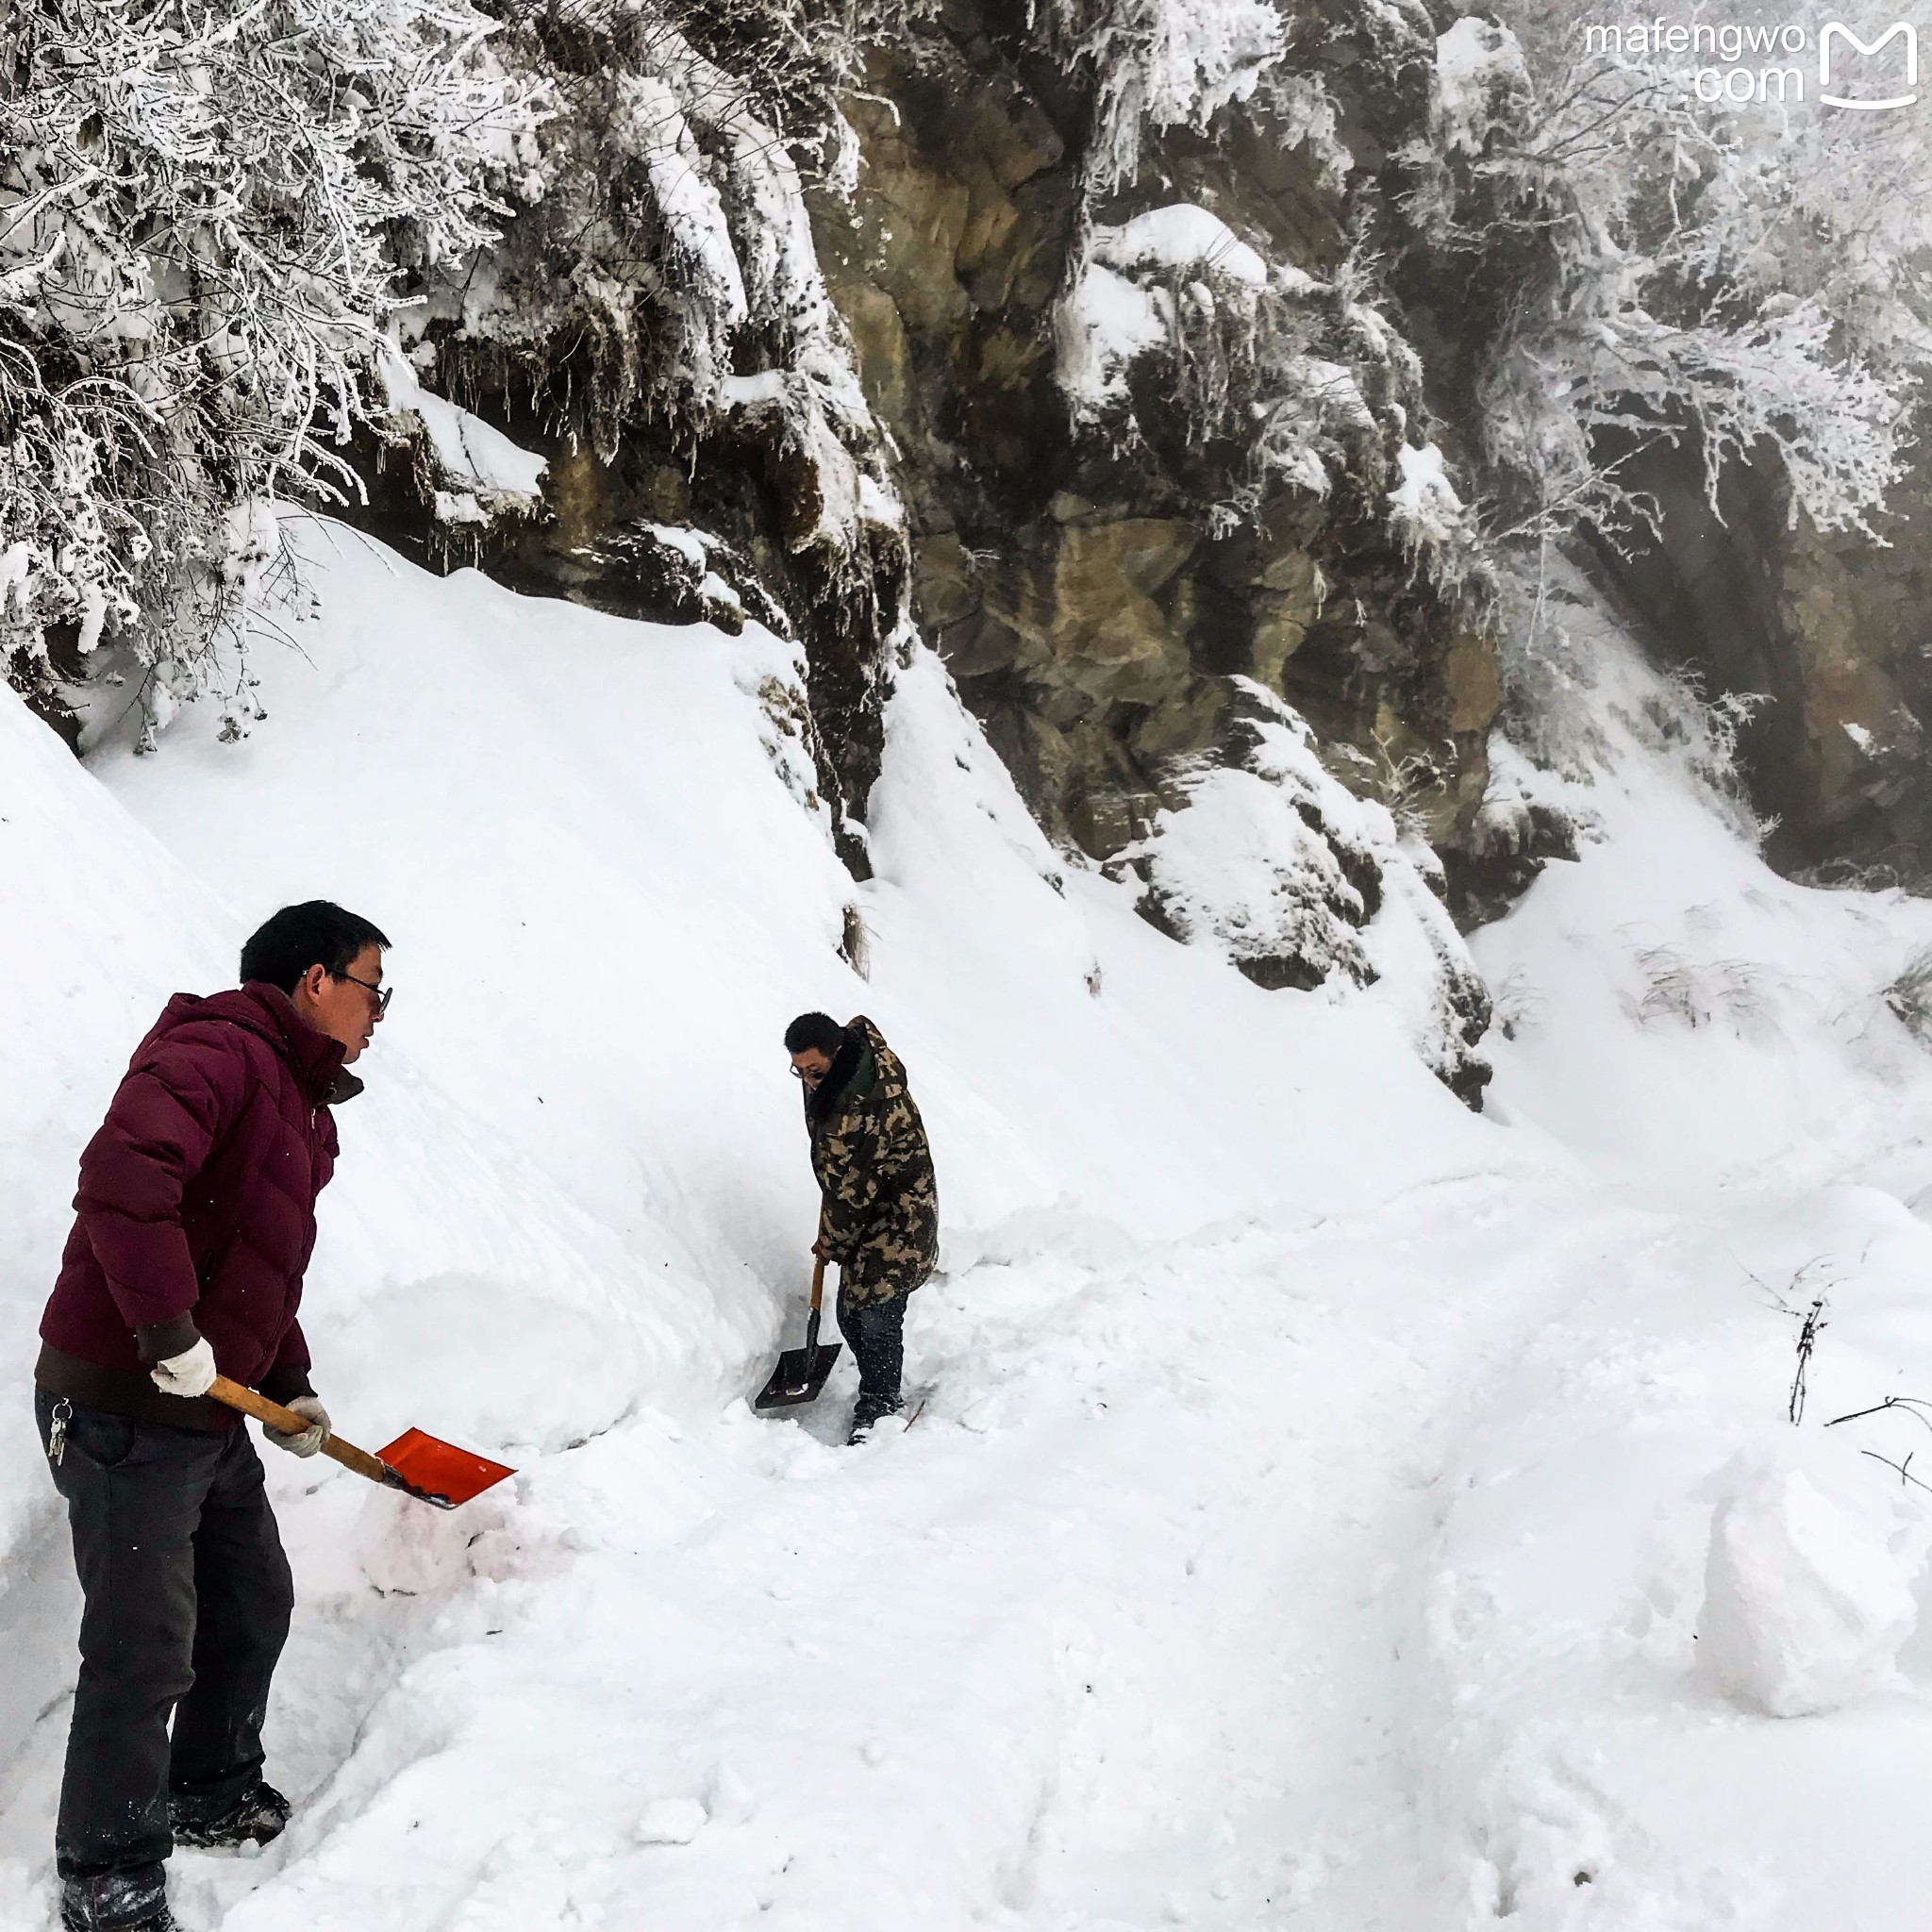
1750, 280
207, 208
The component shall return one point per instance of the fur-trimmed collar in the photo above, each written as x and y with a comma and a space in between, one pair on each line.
828, 1096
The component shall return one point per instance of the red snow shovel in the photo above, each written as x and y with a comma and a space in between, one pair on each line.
801, 1371
418, 1465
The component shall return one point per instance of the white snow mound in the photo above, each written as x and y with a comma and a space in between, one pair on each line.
672, 1822
1805, 1605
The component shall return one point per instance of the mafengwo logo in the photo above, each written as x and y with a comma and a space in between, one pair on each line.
1864, 69
1900, 30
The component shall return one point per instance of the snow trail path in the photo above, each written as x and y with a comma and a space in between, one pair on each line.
1114, 1638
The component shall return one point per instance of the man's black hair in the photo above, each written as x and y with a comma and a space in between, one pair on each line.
814, 1030
315, 933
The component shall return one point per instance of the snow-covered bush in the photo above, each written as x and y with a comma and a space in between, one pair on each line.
1678, 989
668, 271
1434, 525
1243, 379
1247, 366
205, 214
1908, 995
1157, 63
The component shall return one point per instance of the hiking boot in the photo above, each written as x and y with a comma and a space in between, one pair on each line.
135, 1901
259, 1813
868, 1413
161, 1921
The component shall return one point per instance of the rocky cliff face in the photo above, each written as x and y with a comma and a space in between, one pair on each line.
1139, 439
1828, 636
1154, 443
1081, 396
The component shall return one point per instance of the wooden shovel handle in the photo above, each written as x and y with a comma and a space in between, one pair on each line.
290, 1424
817, 1290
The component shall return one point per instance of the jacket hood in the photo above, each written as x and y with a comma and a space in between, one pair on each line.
267, 1011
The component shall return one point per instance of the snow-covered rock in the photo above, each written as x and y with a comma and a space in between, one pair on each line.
1181, 236
1268, 858
1104, 323
474, 472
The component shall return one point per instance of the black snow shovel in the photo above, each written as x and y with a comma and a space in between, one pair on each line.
801, 1371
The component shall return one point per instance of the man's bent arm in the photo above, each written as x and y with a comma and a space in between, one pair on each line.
164, 1119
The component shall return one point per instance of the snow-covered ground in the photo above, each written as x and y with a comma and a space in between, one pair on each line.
1309, 1520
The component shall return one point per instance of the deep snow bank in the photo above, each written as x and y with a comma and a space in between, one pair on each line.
589, 841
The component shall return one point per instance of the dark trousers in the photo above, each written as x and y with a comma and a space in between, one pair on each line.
876, 1332
187, 1596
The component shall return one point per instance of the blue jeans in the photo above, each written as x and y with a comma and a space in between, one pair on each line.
877, 1333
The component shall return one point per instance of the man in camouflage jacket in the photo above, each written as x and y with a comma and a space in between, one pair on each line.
880, 1212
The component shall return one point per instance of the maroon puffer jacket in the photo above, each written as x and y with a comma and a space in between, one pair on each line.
196, 1209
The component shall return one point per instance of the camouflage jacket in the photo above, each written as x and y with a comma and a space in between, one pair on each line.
881, 1210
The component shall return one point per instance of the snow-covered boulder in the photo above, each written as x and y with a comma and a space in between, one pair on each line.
1805, 1603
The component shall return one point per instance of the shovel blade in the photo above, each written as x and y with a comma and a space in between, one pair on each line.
799, 1376
439, 1472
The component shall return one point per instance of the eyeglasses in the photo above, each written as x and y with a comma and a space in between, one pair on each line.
808, 1074
382, 992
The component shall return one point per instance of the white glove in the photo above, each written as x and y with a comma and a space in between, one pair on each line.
311, 1439
192, 1372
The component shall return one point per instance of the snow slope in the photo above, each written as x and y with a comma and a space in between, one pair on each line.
1309, 1519
1637, 1556
573, 1207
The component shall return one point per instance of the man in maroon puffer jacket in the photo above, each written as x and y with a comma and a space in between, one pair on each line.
196, 1216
